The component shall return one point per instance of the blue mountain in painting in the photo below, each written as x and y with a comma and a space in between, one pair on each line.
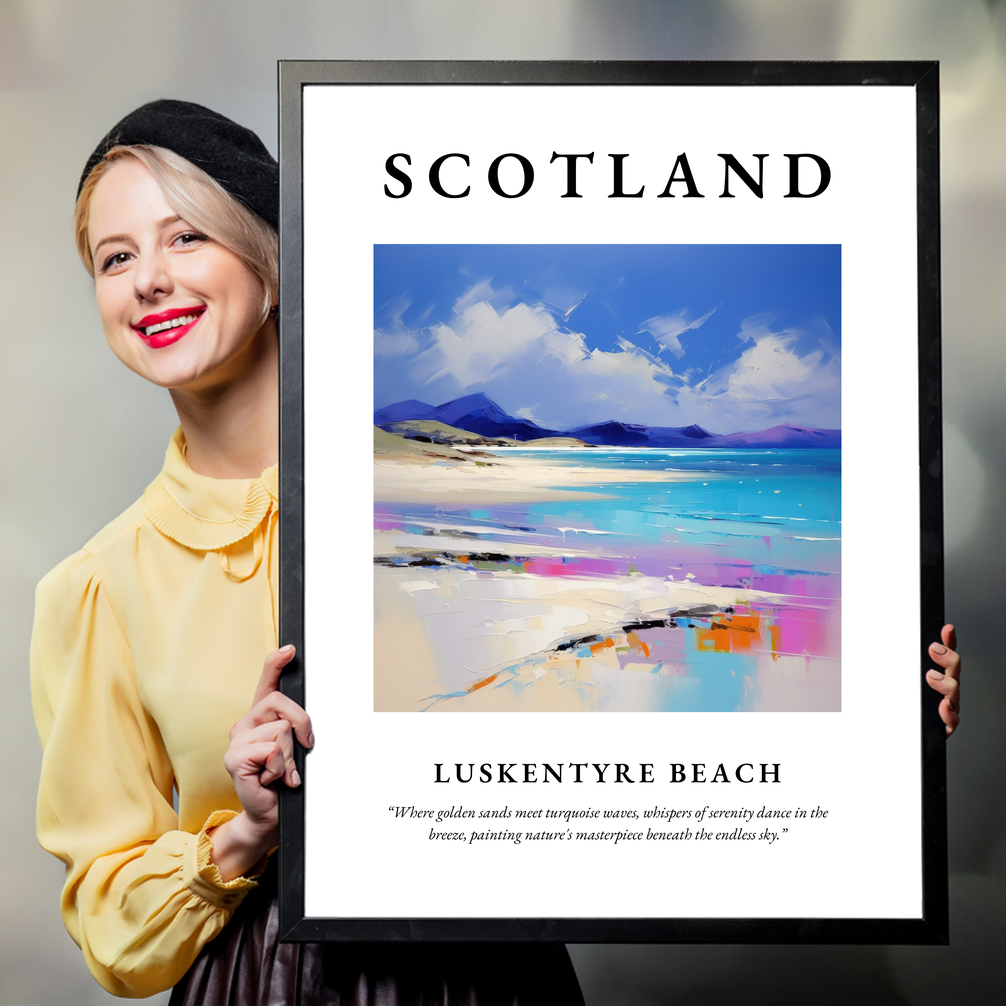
481, 415
783, 436
474, 413
614, 434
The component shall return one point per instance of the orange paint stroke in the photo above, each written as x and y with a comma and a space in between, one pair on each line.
605, 645
482, 683
730, 636
636, 643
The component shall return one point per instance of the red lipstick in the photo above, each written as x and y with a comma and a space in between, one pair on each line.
166, 327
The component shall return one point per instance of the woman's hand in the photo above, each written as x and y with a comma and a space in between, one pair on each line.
260, 753
948, 681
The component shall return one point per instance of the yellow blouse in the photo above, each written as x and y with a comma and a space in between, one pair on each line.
147, 647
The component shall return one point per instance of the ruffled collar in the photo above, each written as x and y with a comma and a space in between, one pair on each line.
203, 513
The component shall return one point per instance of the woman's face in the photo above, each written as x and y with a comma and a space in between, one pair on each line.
177, 308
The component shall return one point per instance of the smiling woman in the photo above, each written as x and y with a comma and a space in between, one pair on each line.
157, 278
149, 643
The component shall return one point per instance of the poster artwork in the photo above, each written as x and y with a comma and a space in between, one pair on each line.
607, 477
634, 435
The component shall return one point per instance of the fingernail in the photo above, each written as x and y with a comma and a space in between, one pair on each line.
295, 777
936, 675
938, 648
310, 740
287, 649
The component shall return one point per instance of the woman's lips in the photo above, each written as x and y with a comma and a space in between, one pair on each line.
166, 327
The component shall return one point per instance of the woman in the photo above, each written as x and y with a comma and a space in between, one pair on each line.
148, 643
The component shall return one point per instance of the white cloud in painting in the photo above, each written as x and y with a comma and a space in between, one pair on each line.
783, 377
666, 328
480, 343
520, 352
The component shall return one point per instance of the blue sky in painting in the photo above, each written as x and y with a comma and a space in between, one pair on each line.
732, 337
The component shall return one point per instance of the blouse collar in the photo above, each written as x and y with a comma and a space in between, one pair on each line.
203, 513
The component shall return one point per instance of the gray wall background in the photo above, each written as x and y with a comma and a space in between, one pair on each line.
82, 436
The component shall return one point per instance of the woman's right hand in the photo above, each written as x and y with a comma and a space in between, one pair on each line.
260, 753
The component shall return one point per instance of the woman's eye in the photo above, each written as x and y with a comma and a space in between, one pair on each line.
114, 261
190, 238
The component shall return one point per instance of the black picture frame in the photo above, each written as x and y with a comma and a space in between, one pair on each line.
932, 926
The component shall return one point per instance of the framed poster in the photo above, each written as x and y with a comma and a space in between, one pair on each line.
611, 501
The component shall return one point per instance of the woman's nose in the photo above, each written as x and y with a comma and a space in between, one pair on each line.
152, 277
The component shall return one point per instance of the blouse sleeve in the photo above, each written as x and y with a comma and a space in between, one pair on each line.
141, 898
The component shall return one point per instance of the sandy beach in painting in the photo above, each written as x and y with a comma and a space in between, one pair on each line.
410, 471
601, 579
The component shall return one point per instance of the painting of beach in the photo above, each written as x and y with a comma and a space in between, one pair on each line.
607, 478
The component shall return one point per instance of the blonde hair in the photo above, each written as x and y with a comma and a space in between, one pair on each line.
199, 200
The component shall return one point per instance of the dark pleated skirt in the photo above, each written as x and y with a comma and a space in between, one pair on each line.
246, 965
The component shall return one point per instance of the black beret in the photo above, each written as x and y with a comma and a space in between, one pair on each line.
231, 154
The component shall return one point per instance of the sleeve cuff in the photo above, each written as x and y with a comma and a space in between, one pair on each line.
202, 876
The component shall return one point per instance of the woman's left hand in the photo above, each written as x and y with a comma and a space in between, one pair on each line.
948, 681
